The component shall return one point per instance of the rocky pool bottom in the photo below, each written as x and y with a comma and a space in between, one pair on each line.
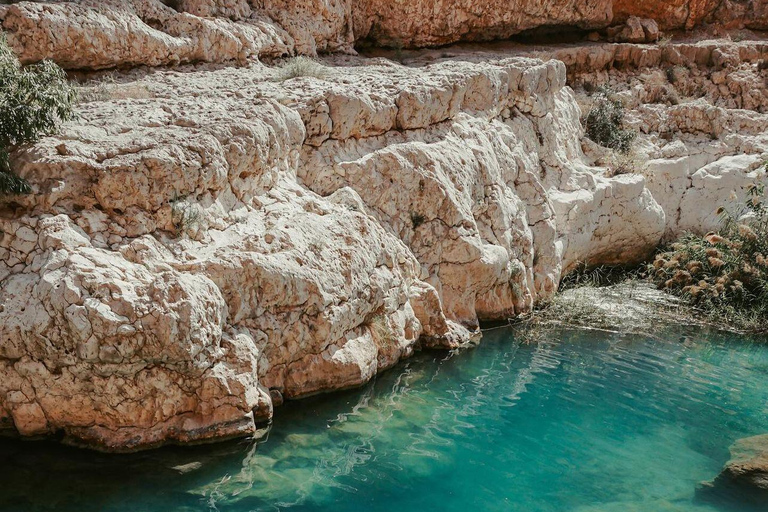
580, 421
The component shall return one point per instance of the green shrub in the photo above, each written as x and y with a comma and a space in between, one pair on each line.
33, 100
417, 219
605, 123
186, 216
725, 274
671, 73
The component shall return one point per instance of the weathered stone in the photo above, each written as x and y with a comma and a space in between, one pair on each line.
744, 475
433, 23
749, 462
232, 9
687, 14
98, 34
205, 241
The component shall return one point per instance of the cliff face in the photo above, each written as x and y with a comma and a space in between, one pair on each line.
205, 241
431, 23
687, 14
96, 34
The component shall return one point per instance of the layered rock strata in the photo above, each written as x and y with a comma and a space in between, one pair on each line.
687, 14
205, 241
98, 34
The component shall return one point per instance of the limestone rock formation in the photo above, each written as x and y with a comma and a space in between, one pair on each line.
687, 14
433, 23
197, 274
746, 473
98, 34
749, 462
206, 240
326, 26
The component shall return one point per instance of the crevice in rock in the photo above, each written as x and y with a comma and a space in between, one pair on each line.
552, 34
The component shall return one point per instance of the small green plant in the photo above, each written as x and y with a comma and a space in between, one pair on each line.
385, 338
724, 274
380, 328
625, 163
417, 219
297, 67
671, 73
584, 274
33, 101
575, 310
664, 41
185, 216
605, 123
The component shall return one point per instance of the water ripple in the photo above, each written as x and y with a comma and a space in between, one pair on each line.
584, 421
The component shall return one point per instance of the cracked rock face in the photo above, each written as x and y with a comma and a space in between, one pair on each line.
100, 34
687, 14
171, 270
206, 239
433, 23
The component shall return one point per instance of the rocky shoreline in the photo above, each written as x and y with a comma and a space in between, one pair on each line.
207, 240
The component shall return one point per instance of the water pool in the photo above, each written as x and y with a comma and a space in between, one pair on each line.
584, 421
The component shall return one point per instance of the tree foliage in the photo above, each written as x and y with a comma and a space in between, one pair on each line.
33, 101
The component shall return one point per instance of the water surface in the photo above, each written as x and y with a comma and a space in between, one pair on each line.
583, 421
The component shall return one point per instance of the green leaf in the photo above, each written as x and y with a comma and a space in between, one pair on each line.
33, 101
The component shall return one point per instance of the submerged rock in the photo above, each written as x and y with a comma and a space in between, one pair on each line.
744, 478
748, 466
188, 468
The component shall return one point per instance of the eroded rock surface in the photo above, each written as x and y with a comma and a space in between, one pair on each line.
746, 473
206, 240
98, 34
433, 23
687, 14
749, 462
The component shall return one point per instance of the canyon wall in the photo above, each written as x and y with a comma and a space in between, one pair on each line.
96, 34
688, 14
205, 241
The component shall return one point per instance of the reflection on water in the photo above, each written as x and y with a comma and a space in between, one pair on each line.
585, 421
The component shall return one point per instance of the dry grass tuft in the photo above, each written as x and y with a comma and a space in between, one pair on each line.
107, 89
297, 67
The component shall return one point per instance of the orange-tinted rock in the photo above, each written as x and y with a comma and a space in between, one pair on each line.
432, 23
98, 34
687, 14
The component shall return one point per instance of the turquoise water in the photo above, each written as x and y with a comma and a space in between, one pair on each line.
585, 421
